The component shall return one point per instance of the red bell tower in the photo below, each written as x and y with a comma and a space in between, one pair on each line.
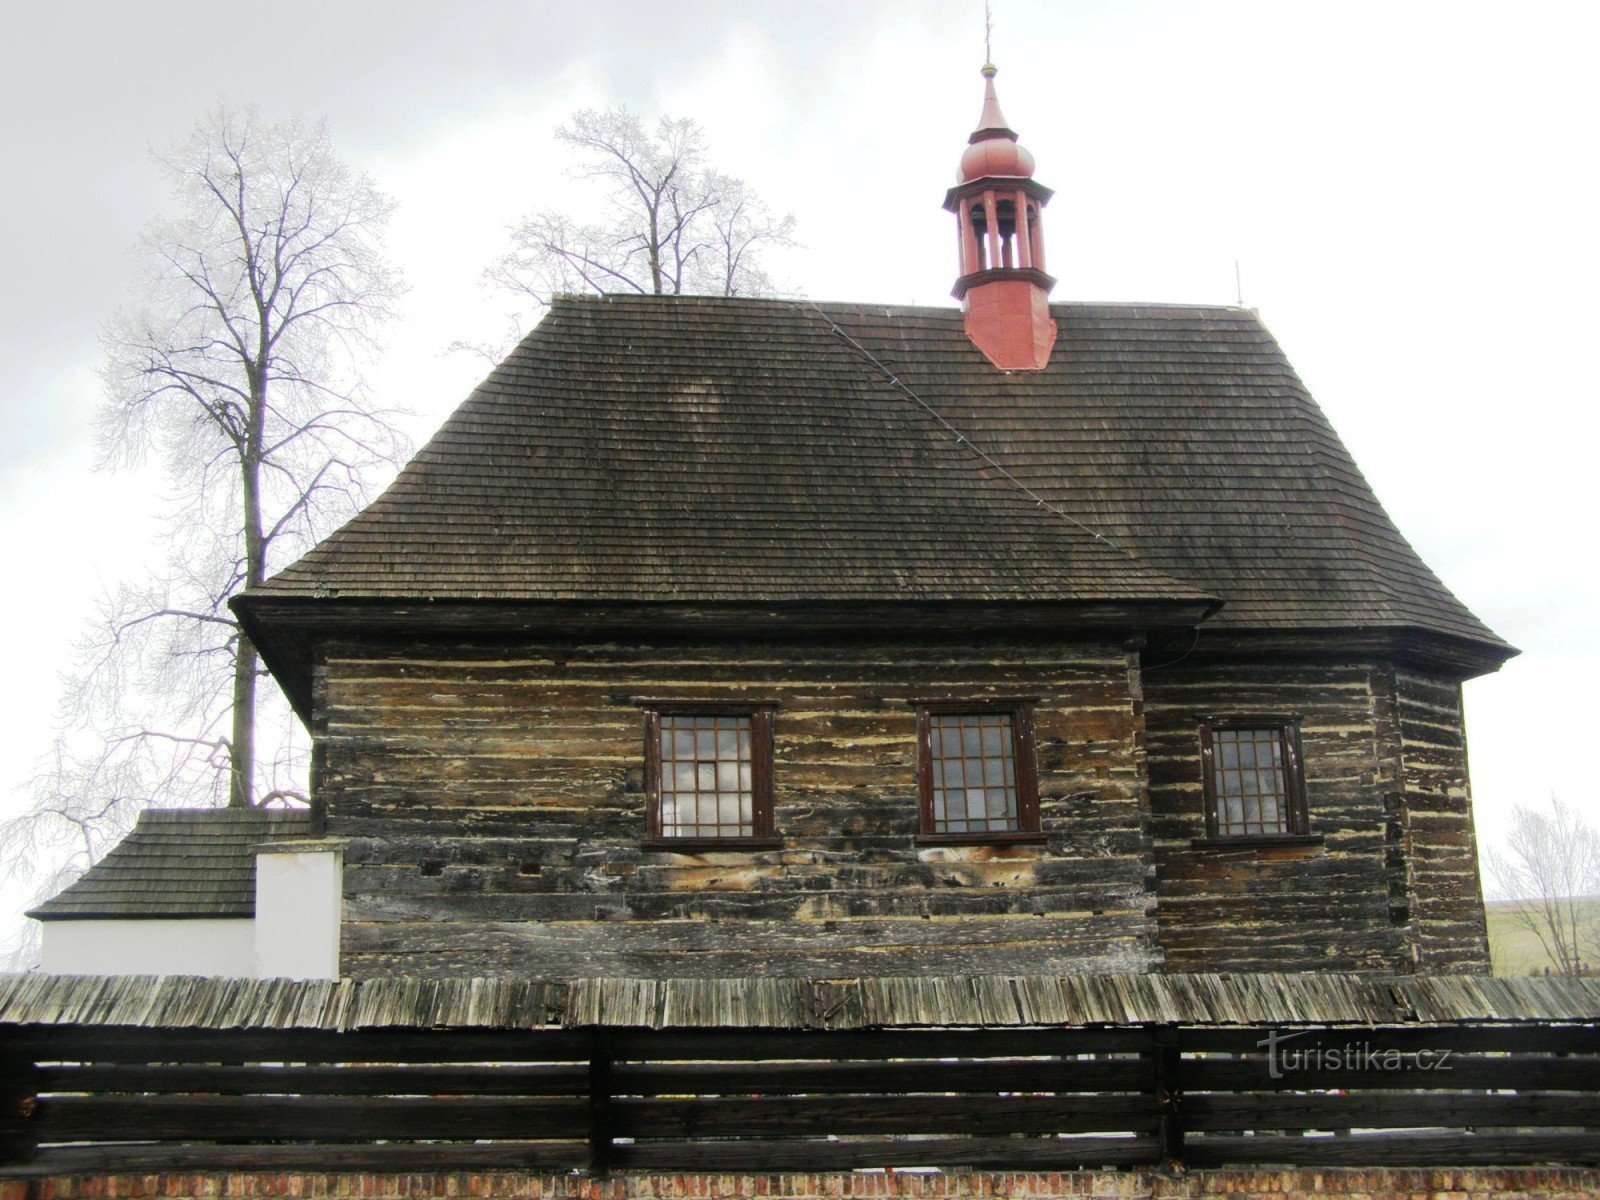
1003, 287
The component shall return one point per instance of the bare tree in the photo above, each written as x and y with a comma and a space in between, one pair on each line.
1549, 865
666, 222
238, 372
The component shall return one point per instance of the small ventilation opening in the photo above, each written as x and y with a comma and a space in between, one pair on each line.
433, 866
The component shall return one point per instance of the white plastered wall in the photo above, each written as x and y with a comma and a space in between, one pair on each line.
146, 946
295, 932
299, 902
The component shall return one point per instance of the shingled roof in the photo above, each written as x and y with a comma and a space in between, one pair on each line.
178, 863
678, 448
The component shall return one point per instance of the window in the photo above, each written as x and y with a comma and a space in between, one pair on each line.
976, 771
1253, 782
708, 770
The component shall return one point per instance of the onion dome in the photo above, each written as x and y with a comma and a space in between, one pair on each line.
993, 149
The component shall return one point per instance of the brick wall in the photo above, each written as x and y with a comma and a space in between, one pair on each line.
1528, 1183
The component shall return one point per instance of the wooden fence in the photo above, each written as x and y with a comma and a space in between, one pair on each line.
97, 1098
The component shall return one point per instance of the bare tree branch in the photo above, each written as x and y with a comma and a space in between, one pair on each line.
266, 287
1549, 864
668, 223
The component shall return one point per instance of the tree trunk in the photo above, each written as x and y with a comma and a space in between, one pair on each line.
242, 752
242, 755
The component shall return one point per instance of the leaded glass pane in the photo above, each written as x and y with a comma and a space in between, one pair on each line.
974, 773
1249, 782
706, 777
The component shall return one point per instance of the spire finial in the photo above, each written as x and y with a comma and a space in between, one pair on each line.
988, 37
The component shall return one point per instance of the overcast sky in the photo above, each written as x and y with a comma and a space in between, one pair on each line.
1410, 190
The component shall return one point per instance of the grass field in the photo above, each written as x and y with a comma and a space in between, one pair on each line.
1513, 947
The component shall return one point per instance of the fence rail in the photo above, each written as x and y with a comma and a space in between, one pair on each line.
79, 1099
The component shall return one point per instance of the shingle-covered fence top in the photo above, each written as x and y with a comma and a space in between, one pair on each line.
987, 1001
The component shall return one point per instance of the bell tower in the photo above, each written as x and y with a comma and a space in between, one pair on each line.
1003, 287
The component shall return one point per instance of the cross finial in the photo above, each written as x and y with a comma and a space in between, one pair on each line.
988, 34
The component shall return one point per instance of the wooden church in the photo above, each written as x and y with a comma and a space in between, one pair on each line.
737, 637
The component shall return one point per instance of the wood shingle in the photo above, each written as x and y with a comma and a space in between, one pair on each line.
177, 863
697, 449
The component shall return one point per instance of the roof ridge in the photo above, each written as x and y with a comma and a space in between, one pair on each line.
962, 440
799, 299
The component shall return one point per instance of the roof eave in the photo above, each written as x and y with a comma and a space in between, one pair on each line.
44, 914
1405, 645
288, 631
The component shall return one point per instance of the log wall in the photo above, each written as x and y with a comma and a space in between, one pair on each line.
495, 805
1392, 883
1283, 908
1444, 895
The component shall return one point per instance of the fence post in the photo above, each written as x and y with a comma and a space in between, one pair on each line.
19, 1100
1169, 1099
599, 1110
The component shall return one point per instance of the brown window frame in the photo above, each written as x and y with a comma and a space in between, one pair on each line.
760, 714
1297, 819
1024, 752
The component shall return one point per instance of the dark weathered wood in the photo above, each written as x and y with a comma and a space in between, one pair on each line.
482, 1079
768, 1116
319, 1118
1511, 1037
602, 1122
19, 1088
845, 1153
423, 747
209, 1156
765, 1099
1372, 778
930, 1044
995, 1075
1173, 1113
1452, 1149
1389, 1110
140, 1046
1546, 1072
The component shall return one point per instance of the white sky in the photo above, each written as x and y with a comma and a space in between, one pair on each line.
1410, 189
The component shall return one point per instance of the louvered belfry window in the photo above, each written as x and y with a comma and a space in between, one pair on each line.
977, 771
710, 773
1253, 779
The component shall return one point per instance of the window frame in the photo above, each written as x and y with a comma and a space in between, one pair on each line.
1024, 754
1297, 819
763, 820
